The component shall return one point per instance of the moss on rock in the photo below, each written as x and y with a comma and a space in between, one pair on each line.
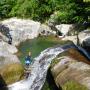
12, 73
72, 85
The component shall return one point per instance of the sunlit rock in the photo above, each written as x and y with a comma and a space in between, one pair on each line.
64, 28
21, 29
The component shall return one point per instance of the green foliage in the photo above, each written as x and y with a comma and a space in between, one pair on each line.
5, 7
68, 11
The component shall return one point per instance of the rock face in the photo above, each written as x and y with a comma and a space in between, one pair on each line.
71, 68
21, 30
84, 38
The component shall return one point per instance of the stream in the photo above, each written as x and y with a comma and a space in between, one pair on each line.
41, 63
39, 69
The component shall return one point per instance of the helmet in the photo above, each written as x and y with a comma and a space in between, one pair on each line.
29, 53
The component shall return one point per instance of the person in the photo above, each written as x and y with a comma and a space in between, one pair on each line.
27, 63
28, 59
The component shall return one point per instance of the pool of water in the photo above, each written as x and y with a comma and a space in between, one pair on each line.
36, 46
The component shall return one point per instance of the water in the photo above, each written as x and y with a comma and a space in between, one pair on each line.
36, 46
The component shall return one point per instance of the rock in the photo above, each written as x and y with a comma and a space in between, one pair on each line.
72, 68
84, 38
46, 30
64, 28
11, 69
3, 37
7, 47
7, 58
21, 29
71, 38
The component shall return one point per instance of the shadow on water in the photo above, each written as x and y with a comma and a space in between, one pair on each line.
3, 85
50, 83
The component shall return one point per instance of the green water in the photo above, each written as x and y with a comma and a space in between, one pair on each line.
35, 46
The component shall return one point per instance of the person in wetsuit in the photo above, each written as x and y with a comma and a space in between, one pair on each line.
27, 63
28, 59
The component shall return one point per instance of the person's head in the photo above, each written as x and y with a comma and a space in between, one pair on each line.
29, 53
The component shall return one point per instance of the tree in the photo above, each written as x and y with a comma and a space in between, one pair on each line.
5, 7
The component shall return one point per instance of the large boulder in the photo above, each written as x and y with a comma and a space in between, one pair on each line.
21, 29
71, 66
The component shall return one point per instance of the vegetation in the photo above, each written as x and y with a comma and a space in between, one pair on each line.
68, 11
72, 85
